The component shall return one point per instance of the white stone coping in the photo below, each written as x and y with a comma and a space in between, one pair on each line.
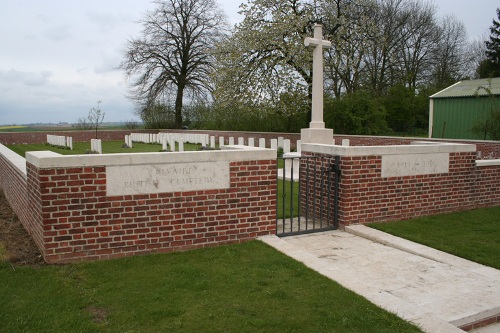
292, 155
486, 163
48, 159
17, 161
387, 150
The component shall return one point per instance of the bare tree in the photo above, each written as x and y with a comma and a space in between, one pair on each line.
451, 56
95, 117
173, 54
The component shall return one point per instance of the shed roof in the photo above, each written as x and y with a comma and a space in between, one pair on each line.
469, 88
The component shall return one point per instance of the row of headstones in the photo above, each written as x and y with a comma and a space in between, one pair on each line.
160, 138
168, 140
61, 141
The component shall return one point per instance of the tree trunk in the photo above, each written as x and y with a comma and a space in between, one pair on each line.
178, 106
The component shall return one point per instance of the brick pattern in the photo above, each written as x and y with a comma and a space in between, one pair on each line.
367, 197
81, 223
487, 186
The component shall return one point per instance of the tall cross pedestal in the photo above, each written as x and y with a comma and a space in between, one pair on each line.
317, 133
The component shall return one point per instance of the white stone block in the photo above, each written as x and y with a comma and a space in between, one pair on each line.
241, 141
231, 141
286, 146
346, 142
212, 141
280, 141
274, 144
299, 146
181, 144
221, 141
251, 142
262, 143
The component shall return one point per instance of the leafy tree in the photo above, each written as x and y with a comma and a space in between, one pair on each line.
491, 66
266, 55
357, 114
157, 116
95, 117
173, 54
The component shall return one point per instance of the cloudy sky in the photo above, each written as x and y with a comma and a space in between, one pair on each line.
58, 58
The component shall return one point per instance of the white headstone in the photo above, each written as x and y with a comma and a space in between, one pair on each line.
251, 142
274, 144
231, 141
262, 143
241, 141
280, 141
286, 146
221, 141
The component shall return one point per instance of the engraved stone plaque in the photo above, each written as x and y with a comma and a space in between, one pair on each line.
415, 164
163, 178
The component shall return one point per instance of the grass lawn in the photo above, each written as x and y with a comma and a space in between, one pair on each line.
248, 287
108, 147
473, 235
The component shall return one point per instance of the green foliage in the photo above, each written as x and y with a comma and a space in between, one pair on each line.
158, 116
289, 115
247, 287
356, 114
491, 66
406, 111
471, 235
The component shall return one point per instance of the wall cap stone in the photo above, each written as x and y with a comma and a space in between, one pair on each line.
17, 161
485, 163
417, 148
48, 159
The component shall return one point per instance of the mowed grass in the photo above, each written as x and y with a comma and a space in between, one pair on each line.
108, 147
248, 287
473, 235
287, 199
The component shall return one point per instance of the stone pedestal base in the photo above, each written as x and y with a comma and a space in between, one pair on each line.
317, 135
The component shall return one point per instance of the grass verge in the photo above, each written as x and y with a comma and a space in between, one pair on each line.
108, 147
473, 235
247, 287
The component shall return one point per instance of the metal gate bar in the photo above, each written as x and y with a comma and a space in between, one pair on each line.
317, 196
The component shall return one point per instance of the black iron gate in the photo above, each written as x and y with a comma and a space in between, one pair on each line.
307, 194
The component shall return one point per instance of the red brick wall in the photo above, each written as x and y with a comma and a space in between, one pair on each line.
487, 186
366, 197
81, 223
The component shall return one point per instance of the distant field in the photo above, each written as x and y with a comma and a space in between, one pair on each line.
12, 128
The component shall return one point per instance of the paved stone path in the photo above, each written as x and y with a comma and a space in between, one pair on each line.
435, 290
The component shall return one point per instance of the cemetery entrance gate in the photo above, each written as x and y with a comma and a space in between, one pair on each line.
308, 194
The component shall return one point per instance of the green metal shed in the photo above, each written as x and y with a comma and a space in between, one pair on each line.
455, 110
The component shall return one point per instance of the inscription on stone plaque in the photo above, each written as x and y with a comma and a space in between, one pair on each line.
415, 164
164, 178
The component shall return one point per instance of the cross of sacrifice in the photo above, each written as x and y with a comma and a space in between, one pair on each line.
317, 86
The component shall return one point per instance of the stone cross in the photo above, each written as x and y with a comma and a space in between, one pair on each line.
317, 86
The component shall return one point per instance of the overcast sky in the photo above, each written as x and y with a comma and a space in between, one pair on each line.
58, 58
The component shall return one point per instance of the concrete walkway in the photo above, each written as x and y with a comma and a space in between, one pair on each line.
435, 290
